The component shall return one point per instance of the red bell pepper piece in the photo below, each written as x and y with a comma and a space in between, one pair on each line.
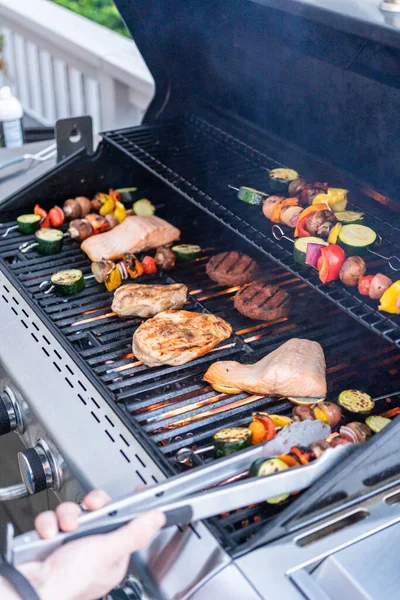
270, 430
330, 262
44, 218
57, 216
149, 265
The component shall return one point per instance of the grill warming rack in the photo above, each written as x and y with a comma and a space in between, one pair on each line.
201, 161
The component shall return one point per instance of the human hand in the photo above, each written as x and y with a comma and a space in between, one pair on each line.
88, 568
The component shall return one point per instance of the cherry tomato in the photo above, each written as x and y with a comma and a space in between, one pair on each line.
149, 265
364, 283
57, 216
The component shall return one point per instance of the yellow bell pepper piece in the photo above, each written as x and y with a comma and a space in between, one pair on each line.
321, 415
280, 420
334, 234
225, 389
335, 198
389, 299
107, 204
113, 279
120, 212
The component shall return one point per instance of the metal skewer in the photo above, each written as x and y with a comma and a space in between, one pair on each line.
26, 246
9, 229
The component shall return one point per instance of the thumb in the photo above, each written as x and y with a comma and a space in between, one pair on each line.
136, 535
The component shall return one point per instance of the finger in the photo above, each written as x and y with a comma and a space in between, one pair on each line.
140, 487
67, 515
46, 524
96, 499
135, 535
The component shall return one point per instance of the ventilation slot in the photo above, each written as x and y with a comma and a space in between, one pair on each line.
382, 476
332, 527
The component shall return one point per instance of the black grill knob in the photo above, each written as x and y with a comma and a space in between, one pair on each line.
35, 468
5, 423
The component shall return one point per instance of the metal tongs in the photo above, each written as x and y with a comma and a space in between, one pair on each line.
182, 500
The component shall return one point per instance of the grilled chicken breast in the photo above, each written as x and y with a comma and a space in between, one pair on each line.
176, 337
132, 235
295, 369
140, 300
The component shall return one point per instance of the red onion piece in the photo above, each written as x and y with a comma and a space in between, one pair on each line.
293, 220
313, 253
398, 302
348, 434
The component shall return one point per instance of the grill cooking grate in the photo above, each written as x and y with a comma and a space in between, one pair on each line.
201, 161
172, 408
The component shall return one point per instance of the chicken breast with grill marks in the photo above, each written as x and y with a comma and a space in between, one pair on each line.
140, 300
177, 337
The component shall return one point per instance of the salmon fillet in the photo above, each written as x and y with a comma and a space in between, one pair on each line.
174, 337
132, 235
140, 300
296, 369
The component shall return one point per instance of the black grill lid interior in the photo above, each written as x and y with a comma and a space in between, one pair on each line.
314, 85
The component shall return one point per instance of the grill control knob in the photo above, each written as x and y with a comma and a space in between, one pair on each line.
39, 469
10, 414
130, 589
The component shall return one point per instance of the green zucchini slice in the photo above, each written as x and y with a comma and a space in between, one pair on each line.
300, 248
144, 208
356, 239
28, 223
262, 467
49, 241
128, 194
377, 423
350, 216
231, 440
280, 179
251, 196
68, 282
356, 403
186, 251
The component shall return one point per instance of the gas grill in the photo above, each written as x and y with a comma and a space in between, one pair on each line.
97, 417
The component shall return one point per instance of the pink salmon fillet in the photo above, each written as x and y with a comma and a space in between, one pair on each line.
132, 235
295, 369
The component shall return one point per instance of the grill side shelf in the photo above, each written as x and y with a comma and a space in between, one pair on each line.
174, 164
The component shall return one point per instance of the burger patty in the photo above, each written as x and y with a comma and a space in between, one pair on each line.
262, 301
231, 268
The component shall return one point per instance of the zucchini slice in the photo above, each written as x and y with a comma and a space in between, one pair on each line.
356, 403
300, 248
186, 251
262, 467
49, 241
231, 440
350, 216
251, 196
377, 423
280, 179
28, 223
144, 208
128, 194
68, 282
356, 239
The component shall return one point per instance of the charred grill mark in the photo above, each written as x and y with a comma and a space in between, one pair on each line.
267, 300
223, 256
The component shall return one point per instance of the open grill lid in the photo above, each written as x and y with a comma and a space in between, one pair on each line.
314, 85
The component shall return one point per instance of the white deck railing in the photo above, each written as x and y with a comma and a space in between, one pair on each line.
62, 65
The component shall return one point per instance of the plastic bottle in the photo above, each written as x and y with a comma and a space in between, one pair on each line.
11, 131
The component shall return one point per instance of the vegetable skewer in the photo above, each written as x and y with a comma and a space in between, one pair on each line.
393, 261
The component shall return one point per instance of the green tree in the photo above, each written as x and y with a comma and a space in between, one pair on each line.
103, 12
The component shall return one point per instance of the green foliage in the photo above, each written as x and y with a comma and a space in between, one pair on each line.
103, 12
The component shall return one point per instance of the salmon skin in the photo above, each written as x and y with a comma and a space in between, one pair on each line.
295, 369
132, 235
